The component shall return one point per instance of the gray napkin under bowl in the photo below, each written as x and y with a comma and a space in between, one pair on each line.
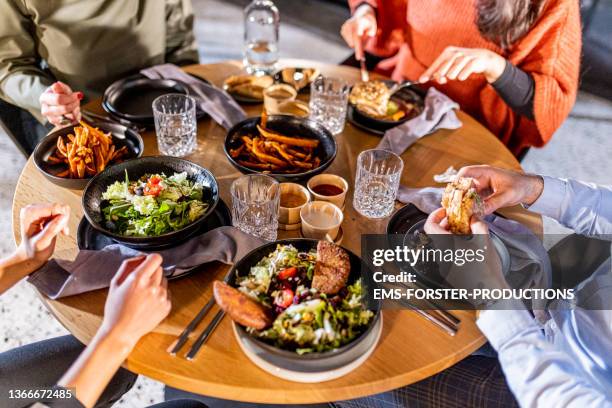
93, 270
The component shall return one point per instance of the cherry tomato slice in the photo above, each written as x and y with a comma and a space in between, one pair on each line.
287, 273
284, 299
154, 180
152, 190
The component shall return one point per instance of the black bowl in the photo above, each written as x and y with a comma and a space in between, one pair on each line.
92, 196
411, 95
122, 136
316, 361
287, 125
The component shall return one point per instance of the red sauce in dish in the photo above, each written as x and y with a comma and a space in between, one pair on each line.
327, 190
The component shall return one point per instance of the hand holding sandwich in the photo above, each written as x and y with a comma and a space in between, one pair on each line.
450, 227
503, 188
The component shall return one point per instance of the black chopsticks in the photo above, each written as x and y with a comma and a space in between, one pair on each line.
184, 336
182, 339
205, 335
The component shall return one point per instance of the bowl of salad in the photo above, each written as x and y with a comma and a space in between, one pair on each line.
300, 307
150, 202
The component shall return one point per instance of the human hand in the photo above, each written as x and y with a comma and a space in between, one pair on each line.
138, 300
59, 102
456, 63
40, 225
361, 24
437, 223
483, 271
503, 188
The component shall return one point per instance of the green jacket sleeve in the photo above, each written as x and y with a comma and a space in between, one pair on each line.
181, 46
21, 79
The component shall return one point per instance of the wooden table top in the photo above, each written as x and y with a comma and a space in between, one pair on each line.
410, 348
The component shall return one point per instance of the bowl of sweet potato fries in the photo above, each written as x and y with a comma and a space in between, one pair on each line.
71, 156
287, 148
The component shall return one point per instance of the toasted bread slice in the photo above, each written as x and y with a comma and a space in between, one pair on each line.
371, 97
461, 201
332, 268
241, 308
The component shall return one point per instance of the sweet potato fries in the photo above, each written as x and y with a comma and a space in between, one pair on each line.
271, 152
86, 152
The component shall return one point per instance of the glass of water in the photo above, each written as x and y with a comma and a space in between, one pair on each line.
376, 182
175, 124
328, 102
255, 204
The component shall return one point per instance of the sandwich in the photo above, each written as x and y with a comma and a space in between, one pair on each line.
371, 97
461, 201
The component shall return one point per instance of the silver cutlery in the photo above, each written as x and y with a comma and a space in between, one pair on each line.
448, 328
445, 314
400, 85
93, 117
365, 76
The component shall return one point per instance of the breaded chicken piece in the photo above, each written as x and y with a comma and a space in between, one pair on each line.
332, 268
461, 201
240, 307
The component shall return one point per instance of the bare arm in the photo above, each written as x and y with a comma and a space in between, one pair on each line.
40, 226
137, 302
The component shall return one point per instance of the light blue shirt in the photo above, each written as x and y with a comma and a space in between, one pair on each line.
568, 363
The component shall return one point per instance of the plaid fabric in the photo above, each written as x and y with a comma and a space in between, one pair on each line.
475, 382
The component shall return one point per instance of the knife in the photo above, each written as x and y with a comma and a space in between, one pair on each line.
365, 77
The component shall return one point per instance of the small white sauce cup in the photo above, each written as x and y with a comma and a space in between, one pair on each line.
273, 100
333, 180
291, 215
321, 220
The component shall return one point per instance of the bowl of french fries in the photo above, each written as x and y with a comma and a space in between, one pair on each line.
287, 148
71, 156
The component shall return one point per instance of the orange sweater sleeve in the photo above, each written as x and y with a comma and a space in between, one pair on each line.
391, 21
551, 54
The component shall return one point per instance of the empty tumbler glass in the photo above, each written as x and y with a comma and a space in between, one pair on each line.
377, 182
255, 203
175, 124
328, 102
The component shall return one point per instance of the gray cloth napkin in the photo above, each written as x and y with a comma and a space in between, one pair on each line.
93, 270
216, 102
439, 113
529, 261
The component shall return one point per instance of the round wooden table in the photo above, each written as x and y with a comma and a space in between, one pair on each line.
410, 348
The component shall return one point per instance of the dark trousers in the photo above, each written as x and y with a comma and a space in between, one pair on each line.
22, 127
172, 394
42, 364
475, 382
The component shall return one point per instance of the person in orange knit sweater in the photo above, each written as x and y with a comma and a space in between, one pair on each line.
511, 64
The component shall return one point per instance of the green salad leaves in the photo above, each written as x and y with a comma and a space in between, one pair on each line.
306, 321
153, 205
